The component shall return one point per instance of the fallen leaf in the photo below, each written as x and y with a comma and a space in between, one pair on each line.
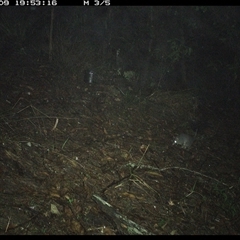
54, 209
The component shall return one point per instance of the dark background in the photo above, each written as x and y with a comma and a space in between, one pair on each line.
166, 47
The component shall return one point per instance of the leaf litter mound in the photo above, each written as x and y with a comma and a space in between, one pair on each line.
99, 159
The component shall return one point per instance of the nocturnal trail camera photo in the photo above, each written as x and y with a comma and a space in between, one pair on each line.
119, 120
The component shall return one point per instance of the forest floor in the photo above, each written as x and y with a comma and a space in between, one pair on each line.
98, 159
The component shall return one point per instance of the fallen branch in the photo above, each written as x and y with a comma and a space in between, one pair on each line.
124, 225
133, 165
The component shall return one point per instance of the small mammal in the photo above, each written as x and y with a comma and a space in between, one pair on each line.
184, 140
